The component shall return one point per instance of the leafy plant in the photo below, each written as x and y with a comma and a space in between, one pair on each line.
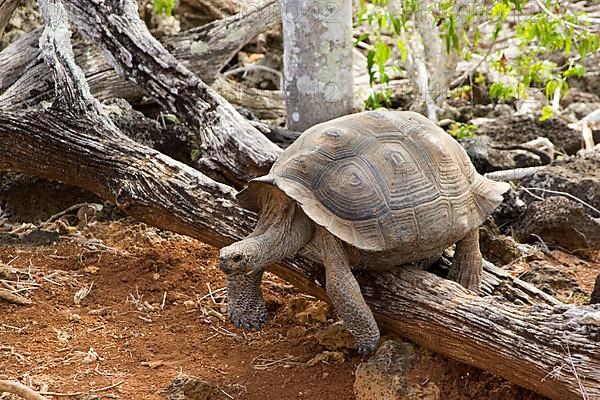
164, 7
553, 29
458, 130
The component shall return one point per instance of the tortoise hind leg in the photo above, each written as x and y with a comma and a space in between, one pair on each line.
344, 292
467, 266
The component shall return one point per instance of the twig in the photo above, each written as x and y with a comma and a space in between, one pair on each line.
535, 196
582, 390
460, 80
513, 174
91, 391
82, 293
13, 298
64, 212
569, 195
210, 294
20, 390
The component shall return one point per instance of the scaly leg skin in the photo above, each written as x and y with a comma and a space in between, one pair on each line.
245, 304
467, 267
344, 292
283, 229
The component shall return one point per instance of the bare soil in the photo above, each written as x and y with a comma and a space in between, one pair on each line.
150, 315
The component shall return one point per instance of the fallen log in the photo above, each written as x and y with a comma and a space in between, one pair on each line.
546, 346
20, 390
204, 50
222, 133
230, 148
6, 9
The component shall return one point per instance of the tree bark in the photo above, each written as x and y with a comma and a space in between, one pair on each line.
204, 50
317, 61
540, 344
6, 9
201, 12
231, 149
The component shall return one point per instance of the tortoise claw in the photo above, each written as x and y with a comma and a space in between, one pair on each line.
366, 349
254, 320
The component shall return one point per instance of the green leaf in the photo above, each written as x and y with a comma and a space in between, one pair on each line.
547, 112
164, 7
403, 50
574, 71
195, 155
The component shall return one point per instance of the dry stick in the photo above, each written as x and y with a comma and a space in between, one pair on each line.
230, 147
13, 298
20, 390
556, 17
91, 391
64, 212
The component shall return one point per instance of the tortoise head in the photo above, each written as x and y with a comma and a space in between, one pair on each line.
243, 257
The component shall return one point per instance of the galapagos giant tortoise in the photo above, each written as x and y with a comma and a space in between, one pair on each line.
372, 190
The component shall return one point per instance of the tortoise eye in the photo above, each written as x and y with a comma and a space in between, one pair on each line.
236, 258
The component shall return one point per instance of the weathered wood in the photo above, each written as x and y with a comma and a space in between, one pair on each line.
265, 104
201, 12
6, 9
548, 347
204, 50
21, 390
230, 148
222, 133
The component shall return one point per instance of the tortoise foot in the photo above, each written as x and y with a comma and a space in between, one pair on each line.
467, 267
245, 303
366, 347
255, 318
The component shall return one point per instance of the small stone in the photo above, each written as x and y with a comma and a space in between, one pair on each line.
335, 337
74, 317
316, 312
326, 357
386, 375
189, 304
186, 387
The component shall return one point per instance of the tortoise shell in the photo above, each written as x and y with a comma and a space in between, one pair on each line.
381, 180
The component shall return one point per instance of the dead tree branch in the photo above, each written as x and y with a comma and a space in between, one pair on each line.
523, 343
204, 50
230, 147
6, 9
20, 390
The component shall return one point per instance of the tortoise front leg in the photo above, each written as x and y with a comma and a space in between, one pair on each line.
344, 292
245, 303
282, 231
467, 266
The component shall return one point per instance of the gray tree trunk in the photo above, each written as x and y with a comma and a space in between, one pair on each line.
317, 40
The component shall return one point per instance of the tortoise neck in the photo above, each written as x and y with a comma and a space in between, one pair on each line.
283, 237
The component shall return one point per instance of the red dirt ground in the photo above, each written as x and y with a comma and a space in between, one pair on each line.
148, 317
